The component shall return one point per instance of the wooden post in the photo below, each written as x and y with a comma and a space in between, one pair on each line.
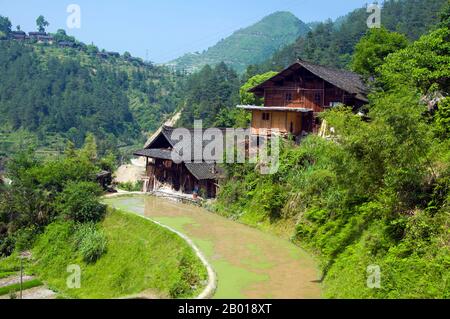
21, 276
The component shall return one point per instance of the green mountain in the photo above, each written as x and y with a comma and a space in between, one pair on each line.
50, 94
251, 45
332, 43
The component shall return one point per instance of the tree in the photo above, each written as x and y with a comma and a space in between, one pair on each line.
5, 26
18, 27
79, 202
425, 64
90, 148
70, 150
442, 119
41, 23
373, 48
248, 98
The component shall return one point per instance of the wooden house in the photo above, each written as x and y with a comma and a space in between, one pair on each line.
294, 97
18, 35
187, 177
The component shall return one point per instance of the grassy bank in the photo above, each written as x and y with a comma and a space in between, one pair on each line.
140, 257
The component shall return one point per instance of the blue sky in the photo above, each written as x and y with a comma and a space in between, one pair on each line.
164, 29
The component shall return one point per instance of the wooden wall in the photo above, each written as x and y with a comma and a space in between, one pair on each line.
283, 121
304, 90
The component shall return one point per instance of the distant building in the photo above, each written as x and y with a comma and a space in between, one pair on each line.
294, 97
102, 55
66, 44
113, 54
18, 35
41, 37
35, 35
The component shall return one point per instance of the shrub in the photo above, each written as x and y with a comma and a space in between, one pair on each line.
79, 202
90, 242
24, 238
132, 187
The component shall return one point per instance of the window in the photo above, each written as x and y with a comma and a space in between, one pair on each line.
288, 97
266, 116
318, 98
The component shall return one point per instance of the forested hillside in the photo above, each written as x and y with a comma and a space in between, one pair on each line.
211, 95
52, 94
332, 43
251, 45
376, 192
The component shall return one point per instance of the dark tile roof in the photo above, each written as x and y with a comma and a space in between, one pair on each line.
35, 34
345, 80
201, 171
155, 153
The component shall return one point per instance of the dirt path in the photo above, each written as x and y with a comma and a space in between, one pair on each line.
12, 280
249, 263
34, 294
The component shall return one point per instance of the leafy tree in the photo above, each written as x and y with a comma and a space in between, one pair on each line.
207, 93
442, 119
70, 151
79, 202
373, 48
248, 98
61, 35
424, 64
89, 150
333, 43
127, 55
5, 26
41, 23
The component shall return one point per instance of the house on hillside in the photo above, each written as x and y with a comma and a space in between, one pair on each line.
185, 177
294, 97
41, 37
292, 101
18, 35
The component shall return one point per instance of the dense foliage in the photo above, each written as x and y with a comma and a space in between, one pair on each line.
210, 95
55, 94
376, 192
43, 191
333, 43
251, 45
152, 262
373, 48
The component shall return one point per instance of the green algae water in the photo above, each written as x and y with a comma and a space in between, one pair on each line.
248, 262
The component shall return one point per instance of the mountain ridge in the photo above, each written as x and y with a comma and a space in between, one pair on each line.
248, 45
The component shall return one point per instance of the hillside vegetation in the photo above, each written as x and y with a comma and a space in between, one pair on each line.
376, 193
332, 43
53, 209
250, 45
55, 94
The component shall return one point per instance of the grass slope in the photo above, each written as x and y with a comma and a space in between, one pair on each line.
140, 257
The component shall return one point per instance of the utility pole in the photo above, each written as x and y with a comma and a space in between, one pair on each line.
21, 275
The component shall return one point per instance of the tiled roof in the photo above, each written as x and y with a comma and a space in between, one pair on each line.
155, 153
201, 171
345, 80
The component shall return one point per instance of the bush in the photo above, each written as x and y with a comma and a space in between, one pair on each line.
90, 242
79, 202
24, 238
132, 187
